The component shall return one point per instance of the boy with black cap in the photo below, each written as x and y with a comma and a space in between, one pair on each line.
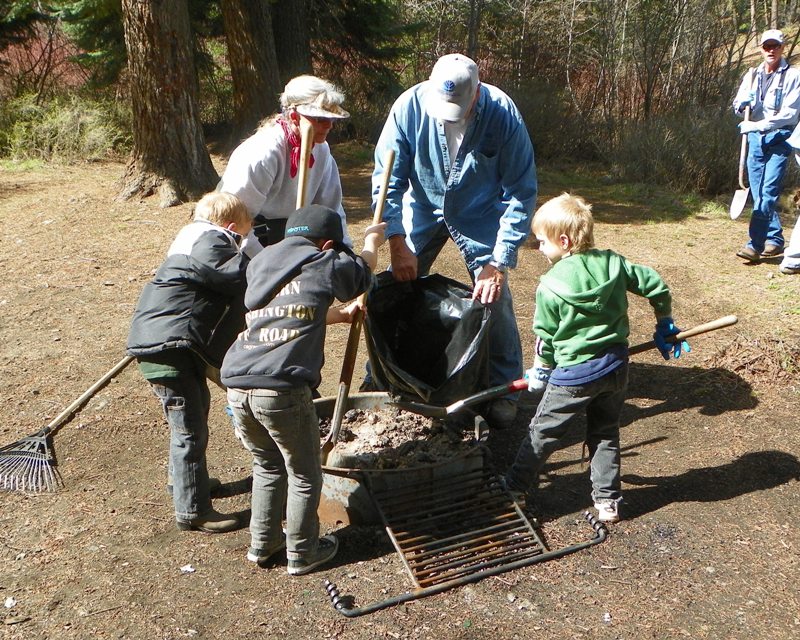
274, 365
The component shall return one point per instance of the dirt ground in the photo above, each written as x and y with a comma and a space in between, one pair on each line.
710, 543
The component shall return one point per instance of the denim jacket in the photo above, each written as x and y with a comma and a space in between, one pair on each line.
772, 111
485, 195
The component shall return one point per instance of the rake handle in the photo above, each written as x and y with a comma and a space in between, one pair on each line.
78, 402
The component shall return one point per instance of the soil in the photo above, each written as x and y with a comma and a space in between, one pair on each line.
394, 439
709, 546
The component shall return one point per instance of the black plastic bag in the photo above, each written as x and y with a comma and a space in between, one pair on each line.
427, 338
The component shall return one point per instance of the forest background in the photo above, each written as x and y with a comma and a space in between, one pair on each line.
639, 89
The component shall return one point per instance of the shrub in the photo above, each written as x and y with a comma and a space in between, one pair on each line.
696, 150
64, 129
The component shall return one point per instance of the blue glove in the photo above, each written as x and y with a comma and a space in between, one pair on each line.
665, 327
538, 375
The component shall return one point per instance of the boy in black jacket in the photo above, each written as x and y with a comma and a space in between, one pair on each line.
184, 322
274, 365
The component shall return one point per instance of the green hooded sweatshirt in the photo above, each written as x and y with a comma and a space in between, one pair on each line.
582, 305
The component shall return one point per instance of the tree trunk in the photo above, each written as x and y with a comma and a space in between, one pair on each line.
169, 150
292, 38
254, 68
473, 27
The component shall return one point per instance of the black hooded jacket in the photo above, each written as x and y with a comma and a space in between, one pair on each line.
291, 286
196, 300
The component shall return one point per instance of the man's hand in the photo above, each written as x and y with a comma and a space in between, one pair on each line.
488, 285
404, 262
748, 126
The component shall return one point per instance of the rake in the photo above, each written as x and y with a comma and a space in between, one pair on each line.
29, 464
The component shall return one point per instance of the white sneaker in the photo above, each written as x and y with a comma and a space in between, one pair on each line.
607, 510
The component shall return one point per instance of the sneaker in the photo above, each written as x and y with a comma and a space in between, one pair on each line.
262, 556
501, 413
771, 250
748, 254
607, 510
214, 487
211, 522
326, 549
790, 271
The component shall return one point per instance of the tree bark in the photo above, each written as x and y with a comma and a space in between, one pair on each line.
169, 150
254, 67
292, 38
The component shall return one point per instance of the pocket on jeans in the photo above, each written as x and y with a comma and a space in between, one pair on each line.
176, 415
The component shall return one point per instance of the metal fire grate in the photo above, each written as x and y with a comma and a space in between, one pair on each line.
453, 530
456, 526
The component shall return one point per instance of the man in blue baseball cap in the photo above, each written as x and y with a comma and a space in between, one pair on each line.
464, 170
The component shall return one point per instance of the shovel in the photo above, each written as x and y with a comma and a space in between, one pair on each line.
741, 194
354, 336
433, 411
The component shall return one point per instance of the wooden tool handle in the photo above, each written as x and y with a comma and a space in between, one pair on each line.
306, 142
719, 323
78, 402
349, 362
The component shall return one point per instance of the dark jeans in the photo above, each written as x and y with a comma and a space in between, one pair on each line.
186, 401
557, 414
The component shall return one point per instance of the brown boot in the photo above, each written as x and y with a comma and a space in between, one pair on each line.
211, 522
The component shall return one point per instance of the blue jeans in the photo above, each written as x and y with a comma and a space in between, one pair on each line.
558, 412
281, 430
767, 160
186, 401
505, 348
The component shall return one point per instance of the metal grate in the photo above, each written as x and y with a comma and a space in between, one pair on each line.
456, 527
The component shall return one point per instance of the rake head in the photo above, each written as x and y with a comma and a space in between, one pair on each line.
29, 465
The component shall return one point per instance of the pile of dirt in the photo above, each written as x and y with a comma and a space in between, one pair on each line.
396, 439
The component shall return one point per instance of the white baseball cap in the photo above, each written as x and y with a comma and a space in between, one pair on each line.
772, 34
451, 88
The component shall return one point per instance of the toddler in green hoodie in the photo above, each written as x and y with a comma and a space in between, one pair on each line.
581, 363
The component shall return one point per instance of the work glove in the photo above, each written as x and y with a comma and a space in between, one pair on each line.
665, 327
538, 375
748, 126
750, 101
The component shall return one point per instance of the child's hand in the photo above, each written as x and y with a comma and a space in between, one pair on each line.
665, 328
538, 375
350, 310
344, 314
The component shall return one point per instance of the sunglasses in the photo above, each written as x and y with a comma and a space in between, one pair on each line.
769, 46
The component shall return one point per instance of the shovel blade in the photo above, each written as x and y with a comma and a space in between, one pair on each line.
427, 410
738, 203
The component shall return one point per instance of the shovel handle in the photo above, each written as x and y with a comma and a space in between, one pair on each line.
719, 323
349, 363
306, 142
488, 394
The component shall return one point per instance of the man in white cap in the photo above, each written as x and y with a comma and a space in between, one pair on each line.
465, 170
772, 91
263, 173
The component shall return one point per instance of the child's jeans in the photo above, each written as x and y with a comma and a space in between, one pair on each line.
186, 401
281, 430
558, 412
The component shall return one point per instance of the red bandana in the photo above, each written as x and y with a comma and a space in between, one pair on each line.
294, 148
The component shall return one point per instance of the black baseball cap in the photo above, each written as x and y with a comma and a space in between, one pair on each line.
315, 221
